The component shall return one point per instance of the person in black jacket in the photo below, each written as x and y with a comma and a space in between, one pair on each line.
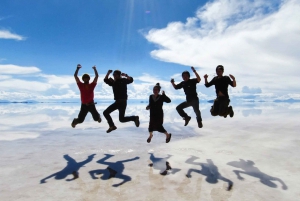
156, 102
119, 86
190, 89
221, 103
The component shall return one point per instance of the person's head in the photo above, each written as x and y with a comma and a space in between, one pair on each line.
219, 70
185, 75
156, 89
85, 78
117, 74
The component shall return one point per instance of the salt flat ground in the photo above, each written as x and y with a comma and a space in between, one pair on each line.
257, 151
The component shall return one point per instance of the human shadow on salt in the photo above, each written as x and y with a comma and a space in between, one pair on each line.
162, 164
249, 169
209, 169
114, 169
72, 168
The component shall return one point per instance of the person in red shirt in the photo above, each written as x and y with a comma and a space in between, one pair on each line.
87, 97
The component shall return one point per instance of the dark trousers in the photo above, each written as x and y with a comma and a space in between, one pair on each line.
84, 109
117, 105
194, 103
220, 107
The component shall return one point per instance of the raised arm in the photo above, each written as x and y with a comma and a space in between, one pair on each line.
208, 84
76, 73
130, 79
106, 80
198, 77
96, 74
173, 83
233, 80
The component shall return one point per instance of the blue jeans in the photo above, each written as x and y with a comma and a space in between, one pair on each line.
194, 103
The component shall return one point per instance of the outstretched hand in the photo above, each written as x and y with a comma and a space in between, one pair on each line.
231, 76
79, 66
205, 76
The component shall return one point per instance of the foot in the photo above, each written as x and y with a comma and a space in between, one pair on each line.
149, 138
111, 129
137, 121
231, 112
73, 124
99, 120
168, 138
200, 125
187, 120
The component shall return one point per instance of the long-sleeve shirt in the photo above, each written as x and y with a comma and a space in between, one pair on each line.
156, 104
119, 87
221, 84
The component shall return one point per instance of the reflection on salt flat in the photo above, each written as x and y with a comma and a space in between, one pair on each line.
18, 120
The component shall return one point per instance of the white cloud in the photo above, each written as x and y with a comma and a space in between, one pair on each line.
14, 69
5, 34
256, 41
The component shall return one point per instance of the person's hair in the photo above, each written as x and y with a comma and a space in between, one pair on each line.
185, 72
220, 67
85, 76
117, 72
157, 86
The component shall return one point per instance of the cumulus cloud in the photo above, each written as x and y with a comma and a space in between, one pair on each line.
5, 34
257, 41
14, 69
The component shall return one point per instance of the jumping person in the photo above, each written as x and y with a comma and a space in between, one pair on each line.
156, 102
119, 86
87, 97
221, 103
189, 86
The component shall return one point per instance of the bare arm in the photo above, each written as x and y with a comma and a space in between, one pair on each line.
205, 78
233, 80
198, 77
96, 74
107, 74
76, 73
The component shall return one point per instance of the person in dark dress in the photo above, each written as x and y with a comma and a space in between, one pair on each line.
87, 97
155, 106
119, 85
221, 103
190, 89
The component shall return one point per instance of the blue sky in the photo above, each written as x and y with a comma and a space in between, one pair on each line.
41, 43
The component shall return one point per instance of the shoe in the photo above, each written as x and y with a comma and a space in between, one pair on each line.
73, 124
200, 125
169, 138
231, 112
149, 139
137, 121
187, 120
111, 129
99, 120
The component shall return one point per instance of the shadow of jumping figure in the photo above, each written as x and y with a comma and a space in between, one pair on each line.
209, 170
249, 169
71, 168
114, 169
162, 163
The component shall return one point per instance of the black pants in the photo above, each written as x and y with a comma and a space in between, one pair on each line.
194, 103
220, 107
117, 105
83, 112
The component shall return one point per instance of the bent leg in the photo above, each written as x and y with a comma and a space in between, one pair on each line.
195, 105
107, 112
122, 108
180, 108
215, 108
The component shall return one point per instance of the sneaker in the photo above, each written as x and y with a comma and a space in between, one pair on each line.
231, 112
111, 129
73, 124
200, 125
187, 120
137, 121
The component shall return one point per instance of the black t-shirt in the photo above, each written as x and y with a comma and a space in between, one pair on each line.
119, 87
189, 88
221, 84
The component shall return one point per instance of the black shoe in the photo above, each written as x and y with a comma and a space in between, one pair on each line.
200, 125
231, 112
187, 120
137, 121
99, 120
111, 129
73, 124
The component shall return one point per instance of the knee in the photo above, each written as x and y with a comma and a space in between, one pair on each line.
105, 113
213, 113
178, 108
122, 119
